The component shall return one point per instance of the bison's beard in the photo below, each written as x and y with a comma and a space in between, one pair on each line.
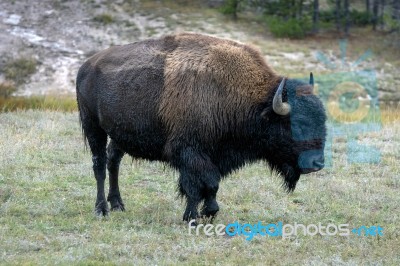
291, 176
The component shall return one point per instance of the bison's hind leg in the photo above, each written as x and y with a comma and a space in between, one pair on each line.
114, 156
97, 139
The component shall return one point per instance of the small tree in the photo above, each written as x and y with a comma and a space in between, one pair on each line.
381, 20
396, 10
338, 14
346, 17
315, 16
375, 9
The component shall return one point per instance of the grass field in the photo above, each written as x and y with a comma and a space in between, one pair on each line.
47, 194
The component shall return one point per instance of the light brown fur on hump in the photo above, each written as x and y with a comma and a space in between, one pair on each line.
204, 72
241, 67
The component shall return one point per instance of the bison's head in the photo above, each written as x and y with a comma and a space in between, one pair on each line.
298, 122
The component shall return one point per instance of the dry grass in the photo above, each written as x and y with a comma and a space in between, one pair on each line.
390, 114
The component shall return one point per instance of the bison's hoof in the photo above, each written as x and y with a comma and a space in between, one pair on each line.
101, 209
116, 203
209, 213
210, 210
118, 207
190, 215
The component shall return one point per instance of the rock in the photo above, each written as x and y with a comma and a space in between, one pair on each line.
294, 56
13, 19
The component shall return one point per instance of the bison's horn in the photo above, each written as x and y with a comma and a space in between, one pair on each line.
278, 105
311, 79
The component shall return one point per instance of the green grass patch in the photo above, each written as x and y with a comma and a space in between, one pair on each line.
55, 103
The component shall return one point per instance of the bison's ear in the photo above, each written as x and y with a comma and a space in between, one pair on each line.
308, 89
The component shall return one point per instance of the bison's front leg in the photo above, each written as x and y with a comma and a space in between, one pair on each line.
190, 187
210, 178
198, 181
210, 207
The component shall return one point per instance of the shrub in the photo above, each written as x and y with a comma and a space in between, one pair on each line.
280, 8
290, 28
360, 18
357, 18
230, 7
20, 69
392, 24
104, 18
327, 15
7, 88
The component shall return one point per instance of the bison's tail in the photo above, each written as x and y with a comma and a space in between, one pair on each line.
81, 111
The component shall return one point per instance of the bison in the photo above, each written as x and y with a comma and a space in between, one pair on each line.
203, 105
